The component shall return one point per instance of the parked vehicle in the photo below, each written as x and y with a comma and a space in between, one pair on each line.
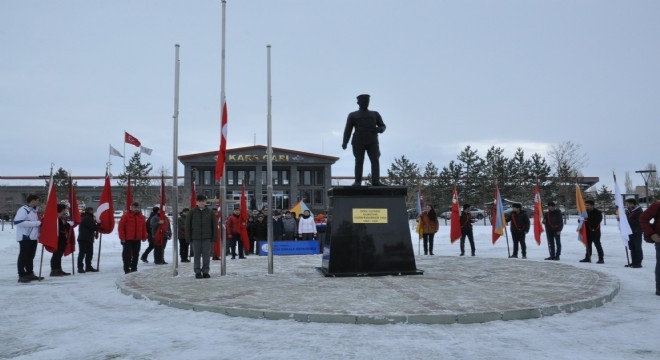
476, 213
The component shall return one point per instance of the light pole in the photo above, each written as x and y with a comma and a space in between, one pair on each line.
646, 175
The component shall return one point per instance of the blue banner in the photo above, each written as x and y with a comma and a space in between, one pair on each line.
290, 247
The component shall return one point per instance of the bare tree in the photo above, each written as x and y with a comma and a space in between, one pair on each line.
629, 184
567, 159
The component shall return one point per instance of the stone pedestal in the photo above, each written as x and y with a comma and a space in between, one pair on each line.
367, 233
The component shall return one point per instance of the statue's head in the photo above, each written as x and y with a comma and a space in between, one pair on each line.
363, 100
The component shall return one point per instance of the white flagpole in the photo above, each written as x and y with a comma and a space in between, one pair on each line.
269, 172
223, 188
175, 188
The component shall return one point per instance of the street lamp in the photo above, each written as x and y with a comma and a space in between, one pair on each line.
646, 175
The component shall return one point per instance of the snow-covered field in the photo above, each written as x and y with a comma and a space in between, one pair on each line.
86, 317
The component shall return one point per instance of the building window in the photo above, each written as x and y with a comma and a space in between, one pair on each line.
318, 177
230, 176
285, 177
207, 177
318, 197
281, 199
241, 177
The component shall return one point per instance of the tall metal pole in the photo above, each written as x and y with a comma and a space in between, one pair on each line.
269, 172
175, 188
223, 188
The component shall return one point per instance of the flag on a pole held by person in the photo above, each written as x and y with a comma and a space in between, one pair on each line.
582, 215
538, 213
222, 153
455, 220
74, 217
49, 230
419, 230
115, 152
193, 196
498, 221
129, 194
130, 139
624, 225
242, 221
105, 210
162, 232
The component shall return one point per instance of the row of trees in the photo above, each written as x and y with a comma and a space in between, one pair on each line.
475, 177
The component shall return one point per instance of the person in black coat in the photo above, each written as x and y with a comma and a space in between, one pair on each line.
86, 235
150, 235
594, 217
554, 224
633, 211
278, 226
519, 228
466, 229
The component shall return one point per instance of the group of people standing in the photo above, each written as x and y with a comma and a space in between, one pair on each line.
28, 223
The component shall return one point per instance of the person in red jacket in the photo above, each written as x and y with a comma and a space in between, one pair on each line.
234, 234
132, 230
652, 235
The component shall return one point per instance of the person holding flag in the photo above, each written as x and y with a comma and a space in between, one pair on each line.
62, 236
27, 233
429, 224
633, 211
554, 224
234, 233
519, 228
650, 222
86, 235
592, 226
132, 231
181, 235
466, 228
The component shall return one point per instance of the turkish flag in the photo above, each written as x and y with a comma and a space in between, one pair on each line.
105, 212
160, 237
538, 212
242, 220
129, 195
128, 138
49, 225
193, 196
74, 215
222, 154
455, 231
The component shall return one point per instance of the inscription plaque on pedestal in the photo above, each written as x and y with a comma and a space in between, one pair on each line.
367, 233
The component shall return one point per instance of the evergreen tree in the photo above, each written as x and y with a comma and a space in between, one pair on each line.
140, 182
61, 184
430, 184
495, 172
469, 182
604, 199
403, 172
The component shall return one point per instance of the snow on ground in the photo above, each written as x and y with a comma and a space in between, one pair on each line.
86, 317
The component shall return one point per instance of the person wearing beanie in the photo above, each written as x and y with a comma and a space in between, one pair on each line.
86, 235
633, 211
63, 228
594, 217
519, 228
466, 228
554, 224
150, 234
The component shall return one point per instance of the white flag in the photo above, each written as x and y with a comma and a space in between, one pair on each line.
145, 150
115, 152
624, 226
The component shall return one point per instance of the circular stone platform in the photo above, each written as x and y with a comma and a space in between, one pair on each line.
452, 290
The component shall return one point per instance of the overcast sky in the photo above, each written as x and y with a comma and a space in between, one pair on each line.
443, 74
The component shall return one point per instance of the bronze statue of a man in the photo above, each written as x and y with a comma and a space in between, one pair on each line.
368, 124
